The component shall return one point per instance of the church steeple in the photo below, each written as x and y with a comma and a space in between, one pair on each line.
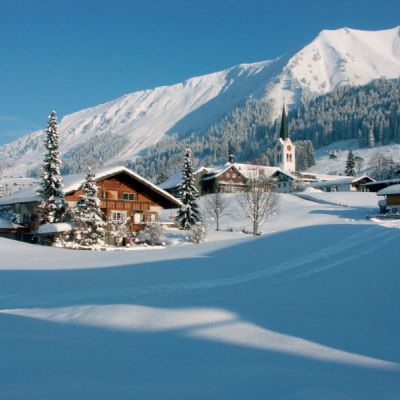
284, 152
283, 134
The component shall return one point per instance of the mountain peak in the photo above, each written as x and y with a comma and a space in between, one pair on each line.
125, 127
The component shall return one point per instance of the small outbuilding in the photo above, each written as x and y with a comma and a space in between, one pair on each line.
390, 205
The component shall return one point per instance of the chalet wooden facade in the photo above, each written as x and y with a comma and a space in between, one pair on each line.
233, 177
229, 179
125, 198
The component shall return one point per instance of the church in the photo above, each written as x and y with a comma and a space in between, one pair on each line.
284, 153
233, 176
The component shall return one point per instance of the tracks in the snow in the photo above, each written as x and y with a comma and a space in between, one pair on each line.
367, 241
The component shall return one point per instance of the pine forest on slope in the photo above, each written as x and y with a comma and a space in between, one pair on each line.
234, 107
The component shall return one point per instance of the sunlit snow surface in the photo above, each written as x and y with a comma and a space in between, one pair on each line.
306, 311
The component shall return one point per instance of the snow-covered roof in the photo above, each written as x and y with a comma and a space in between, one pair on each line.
175, 180
54, 228
394, 189
341, 181
74, 182
247, 170
394, 180
323, 177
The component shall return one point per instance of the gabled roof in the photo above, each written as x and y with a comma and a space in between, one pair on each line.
394, 181
323, 177
394, 189
74, 182
175, 180
247, 170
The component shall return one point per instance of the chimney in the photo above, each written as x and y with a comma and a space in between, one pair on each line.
231, 158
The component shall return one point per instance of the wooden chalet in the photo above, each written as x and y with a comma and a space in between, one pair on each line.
124, 195
390, 206
232, 177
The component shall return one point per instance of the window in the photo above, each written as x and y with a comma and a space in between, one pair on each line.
137, 218
128, 196
118, 215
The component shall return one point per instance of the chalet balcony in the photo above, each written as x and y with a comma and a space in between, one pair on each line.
125, 205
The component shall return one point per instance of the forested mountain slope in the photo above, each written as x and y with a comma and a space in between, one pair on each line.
125, 129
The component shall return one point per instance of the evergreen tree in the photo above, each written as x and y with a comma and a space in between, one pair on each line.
189, 213
53, 207
310, 154
371, 138
88, 215
350, 165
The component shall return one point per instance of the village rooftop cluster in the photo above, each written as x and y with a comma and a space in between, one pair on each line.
117, 207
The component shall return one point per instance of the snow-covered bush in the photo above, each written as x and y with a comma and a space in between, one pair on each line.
151, 234
197, 233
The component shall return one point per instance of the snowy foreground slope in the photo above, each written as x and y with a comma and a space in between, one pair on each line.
140, 119
308, 311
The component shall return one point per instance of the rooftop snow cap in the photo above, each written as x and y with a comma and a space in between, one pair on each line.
283, 134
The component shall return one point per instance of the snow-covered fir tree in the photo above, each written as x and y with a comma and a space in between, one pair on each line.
53, 207
189, 213
90, 230
350, 165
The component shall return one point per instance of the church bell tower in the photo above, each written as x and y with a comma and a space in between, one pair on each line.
284, 154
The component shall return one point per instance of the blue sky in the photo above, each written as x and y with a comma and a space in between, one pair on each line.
67, 55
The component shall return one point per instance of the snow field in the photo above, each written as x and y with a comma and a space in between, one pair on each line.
306, 311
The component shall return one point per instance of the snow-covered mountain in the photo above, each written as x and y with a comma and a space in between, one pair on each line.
140, 119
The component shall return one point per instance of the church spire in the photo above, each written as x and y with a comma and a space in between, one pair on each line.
283, 134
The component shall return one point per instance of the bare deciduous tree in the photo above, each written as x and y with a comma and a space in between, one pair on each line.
259, 200
216, 206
